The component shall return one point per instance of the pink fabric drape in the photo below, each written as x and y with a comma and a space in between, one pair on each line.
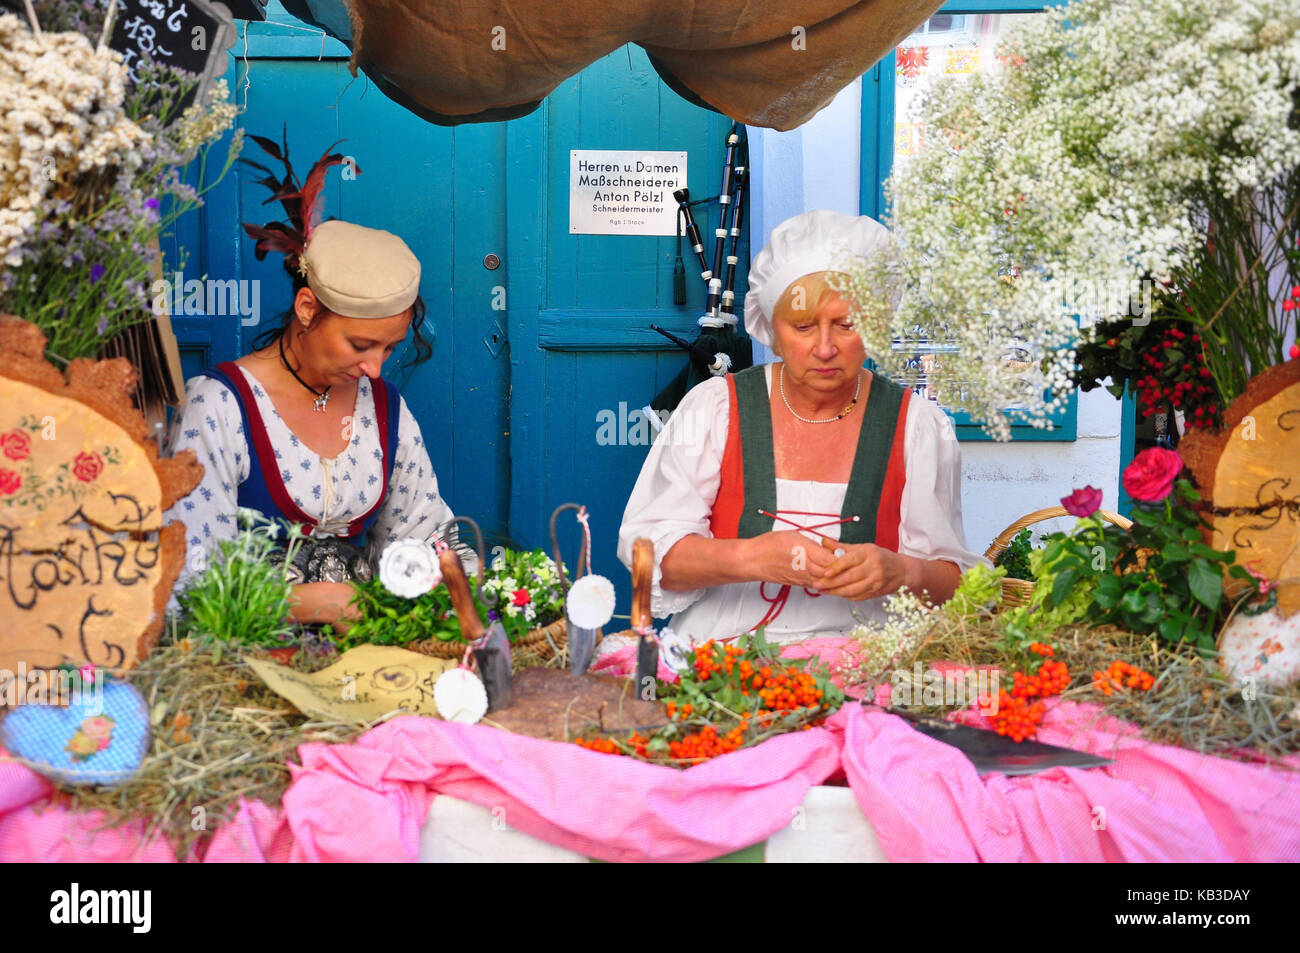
368, 800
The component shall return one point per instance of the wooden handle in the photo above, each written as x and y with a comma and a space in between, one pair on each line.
462, 600
643, 567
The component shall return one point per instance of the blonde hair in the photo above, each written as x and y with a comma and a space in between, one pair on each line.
802, 299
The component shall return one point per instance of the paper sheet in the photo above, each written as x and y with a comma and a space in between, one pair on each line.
364, 685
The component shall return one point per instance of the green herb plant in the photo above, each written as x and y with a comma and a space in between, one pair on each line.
387, 619
1015, 558
242, 595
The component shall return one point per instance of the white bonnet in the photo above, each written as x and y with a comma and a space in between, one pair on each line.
818, 240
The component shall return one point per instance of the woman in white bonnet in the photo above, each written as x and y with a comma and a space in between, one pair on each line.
797, 495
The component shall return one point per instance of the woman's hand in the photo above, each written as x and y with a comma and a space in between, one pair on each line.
788, 558
321, 603
865, 571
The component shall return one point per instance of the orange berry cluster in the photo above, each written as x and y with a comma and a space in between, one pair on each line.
705, 744
1017, 718
1121, 675
1052, 679
1021, 710
786, 689
635, 741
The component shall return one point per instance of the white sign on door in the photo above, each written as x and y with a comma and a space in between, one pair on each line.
622, 192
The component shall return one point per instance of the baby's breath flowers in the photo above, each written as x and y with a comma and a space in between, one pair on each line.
1080, 170
882, 644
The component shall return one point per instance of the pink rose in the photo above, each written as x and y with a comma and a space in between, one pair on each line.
87, 466
16, 445
1150, 477
1082, 503
9, 481
97, 727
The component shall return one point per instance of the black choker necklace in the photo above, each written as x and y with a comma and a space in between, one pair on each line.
322, 397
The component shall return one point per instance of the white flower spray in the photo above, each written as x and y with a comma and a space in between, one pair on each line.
1072, 172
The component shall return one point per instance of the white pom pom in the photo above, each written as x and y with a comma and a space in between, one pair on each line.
409, 568
591, 602
460, 696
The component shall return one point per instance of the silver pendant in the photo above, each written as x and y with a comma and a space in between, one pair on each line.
322, 399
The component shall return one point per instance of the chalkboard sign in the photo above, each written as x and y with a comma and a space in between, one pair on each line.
187, 35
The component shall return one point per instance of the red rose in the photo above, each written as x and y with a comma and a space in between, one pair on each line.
1150, 477
87, 466
1082, 503
522, 598
16, 445
9, 481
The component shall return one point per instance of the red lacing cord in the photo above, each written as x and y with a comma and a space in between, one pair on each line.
777, 603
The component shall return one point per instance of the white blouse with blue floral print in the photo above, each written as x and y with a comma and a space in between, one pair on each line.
332, 491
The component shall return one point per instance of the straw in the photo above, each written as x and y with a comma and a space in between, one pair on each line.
219, 734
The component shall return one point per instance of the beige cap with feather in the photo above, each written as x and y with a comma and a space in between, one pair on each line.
360, 272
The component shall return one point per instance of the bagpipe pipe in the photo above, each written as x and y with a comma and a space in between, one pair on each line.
720, 347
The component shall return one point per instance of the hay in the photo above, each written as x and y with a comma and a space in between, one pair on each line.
1191, 705
219, 734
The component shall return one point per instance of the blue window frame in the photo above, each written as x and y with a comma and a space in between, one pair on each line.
878, 112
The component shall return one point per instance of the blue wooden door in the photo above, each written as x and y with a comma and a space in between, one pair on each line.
580, 307
440, 189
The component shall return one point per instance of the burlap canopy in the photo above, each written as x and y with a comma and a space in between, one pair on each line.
768, 63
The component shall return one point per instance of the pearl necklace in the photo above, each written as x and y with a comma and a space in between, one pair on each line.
828, 420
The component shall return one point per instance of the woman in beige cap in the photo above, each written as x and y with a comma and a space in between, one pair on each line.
304, 428
796, 495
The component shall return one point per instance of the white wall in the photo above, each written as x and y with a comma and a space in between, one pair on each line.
817, 166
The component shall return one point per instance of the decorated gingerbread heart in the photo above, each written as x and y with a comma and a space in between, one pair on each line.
99, 738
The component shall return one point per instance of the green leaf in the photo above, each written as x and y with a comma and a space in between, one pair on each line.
1134, 602
1191, 535
1145, 517
1207, 552
1206, 584
1063, 583
1173, 553
1171, 628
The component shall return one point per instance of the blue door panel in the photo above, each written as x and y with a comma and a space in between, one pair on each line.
581, 305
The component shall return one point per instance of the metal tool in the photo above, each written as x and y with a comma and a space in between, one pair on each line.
647, 648
581, 642
991, 752
491, 651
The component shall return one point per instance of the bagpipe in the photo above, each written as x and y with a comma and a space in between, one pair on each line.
720, 348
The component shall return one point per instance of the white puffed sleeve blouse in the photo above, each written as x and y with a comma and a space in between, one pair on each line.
679, 483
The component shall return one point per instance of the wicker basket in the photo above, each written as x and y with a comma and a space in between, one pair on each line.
1016, 592
546, 641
